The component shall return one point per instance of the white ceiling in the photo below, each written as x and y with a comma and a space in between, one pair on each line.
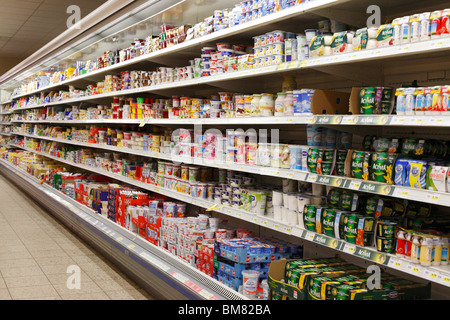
27, 25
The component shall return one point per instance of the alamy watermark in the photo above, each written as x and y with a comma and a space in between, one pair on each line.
74, 280
374, 20
74, 20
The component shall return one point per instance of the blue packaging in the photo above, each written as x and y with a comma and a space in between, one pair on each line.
400, 103
307, 95
295, 153
415, 177
329, 136
400, 172
298, 107
314, 135
304, 166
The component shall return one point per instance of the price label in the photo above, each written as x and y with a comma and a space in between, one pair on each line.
281, 66
437, 120
312, 178
119, 238
206, 294
433, 275
211, 208
276, 226
309, 236
404, 193
433, 197
144, 122
415, 269
130, 246
288, 230
310, 120
293, 64
255, 220
348, 248
355, 185
349, 120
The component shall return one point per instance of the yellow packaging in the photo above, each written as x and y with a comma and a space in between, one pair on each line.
416, 174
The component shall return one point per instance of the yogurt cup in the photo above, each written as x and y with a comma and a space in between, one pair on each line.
250, 280
222, 46
277, 48
278, 36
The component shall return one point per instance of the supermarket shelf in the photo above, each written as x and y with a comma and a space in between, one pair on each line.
5, 134
197, 42
179, 275
362, 57
442, 120
381, 189
304, 119
439, 274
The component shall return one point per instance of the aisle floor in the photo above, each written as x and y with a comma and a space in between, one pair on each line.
36, 251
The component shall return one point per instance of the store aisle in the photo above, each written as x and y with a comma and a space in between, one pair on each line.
36, 250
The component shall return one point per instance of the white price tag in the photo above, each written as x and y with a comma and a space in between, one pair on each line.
398, 120
446, 280
396, 264
155, 262
436, 120
349, 248
309, 236
355, 185
310, 120
433, 197
206, 294
432, 275
349, 119
415, 269
180, 277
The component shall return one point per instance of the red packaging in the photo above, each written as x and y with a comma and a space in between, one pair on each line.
445, 23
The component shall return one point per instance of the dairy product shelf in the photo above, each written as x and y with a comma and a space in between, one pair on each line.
438, 274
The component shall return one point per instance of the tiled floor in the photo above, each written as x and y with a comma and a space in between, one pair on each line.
36, 251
